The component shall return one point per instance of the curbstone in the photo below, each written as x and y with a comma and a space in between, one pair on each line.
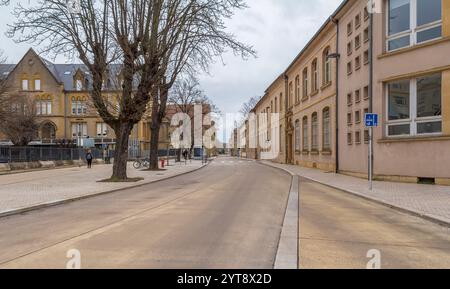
47, 164
5, 167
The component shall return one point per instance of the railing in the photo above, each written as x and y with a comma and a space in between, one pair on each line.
11, 154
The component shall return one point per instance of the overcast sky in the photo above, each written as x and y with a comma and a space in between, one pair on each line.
277, 29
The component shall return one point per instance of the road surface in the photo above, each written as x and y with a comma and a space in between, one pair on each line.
228, 215
338, 230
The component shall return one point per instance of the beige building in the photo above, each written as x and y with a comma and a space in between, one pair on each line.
311, 89
405, 79
411, 89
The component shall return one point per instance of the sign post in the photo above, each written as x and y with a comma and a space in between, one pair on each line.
371, 121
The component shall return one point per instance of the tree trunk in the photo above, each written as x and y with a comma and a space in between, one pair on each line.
122, 132
158, 113
154, 140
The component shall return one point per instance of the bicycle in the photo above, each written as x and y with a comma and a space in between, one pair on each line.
139, 163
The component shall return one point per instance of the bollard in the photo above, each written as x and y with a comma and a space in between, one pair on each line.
162, 163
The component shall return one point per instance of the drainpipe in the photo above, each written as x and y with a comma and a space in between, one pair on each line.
286, 107
336, 22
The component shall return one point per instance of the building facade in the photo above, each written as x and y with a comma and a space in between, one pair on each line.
393, 62
64, 111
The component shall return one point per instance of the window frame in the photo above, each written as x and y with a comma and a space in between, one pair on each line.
413, 120
413, 30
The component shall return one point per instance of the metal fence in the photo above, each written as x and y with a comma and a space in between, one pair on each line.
32, 154
12, 154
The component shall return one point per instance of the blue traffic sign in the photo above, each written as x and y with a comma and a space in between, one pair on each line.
371, 119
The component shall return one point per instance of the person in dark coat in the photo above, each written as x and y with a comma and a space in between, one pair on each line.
89, 158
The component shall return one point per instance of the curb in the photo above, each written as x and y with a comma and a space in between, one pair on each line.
66, 201
434, 219
288, 253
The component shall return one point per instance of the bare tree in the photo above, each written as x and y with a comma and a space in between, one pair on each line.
153, 40
249, 105
101, 34
18, 120
196, 36
186, 93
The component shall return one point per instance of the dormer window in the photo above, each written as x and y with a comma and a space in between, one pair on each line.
79, 85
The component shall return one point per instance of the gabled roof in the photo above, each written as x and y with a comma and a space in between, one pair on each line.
64, 73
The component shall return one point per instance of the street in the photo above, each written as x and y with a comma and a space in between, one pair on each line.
228, 215
337, 230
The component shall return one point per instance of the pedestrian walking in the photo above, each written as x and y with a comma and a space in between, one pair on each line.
89, 159
185, 155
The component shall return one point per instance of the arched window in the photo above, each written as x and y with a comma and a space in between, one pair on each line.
314, 132
315, 76
305, 82
297, 135
326, 66
297, 89
326, 129
305, 134
290, 101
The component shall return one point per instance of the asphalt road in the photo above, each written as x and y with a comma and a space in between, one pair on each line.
337, 230
228, 215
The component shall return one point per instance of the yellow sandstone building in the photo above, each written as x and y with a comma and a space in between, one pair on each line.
64, 111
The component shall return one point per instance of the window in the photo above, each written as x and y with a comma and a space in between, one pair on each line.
357, 20
314, 132
326, 129
349, 118
79, 129
349, 68
366, 57
366, 35
366, 136
79, 107
349, 28
415, 106
358, 137
357, 96
79, 85
297, 135
357, 42
349, 138
44, 107
297, 89
305, 134
37, 84
349, 48
24, 84
290, 94
305, 83
358, 116
350, 99
357, 62
326, 67
366, 13
366, 92
102, 129
412, 22
276, 105
315, 76
281, 101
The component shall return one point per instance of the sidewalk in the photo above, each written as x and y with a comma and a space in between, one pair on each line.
20, 192
427, 201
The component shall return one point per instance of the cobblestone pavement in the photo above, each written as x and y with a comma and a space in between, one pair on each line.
430, 201
23, 190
